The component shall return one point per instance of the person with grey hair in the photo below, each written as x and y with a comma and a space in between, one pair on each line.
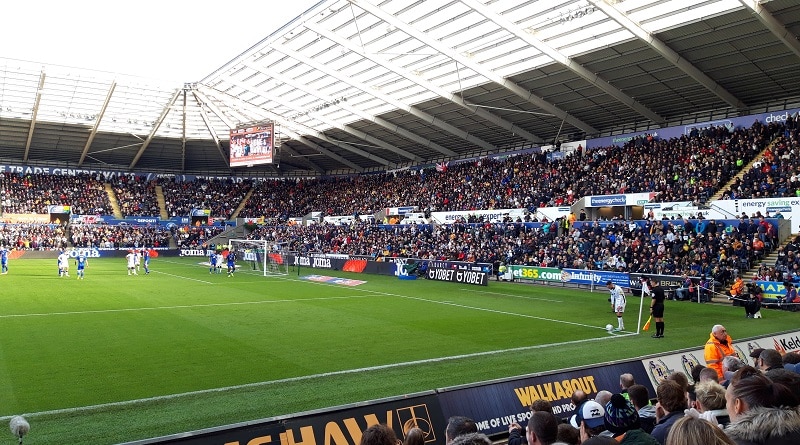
718, 346
472, 439
730, 365
626, 381
603, 397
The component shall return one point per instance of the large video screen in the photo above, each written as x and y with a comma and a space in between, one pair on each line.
252, 145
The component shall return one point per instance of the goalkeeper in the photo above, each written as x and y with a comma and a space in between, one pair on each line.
617, 303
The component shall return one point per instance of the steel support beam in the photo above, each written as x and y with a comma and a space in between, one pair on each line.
774, 26
382, 122
441, 92
201, 104
292, 106
152, 134
34, 113
287, 125
96, 125
428, 118
669, 54
568, 62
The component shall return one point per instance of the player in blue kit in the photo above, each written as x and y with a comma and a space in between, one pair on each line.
81, 262
146, 260
231, 263
4, 260
212, 259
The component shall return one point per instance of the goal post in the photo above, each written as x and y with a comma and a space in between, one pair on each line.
260, 256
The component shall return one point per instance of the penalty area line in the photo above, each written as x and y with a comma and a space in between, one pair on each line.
184, 278
103, 406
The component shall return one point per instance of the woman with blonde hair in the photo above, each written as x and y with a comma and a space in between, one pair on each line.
711, 398
691, 431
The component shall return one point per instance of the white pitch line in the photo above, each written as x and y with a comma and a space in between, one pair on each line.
305, 377
184, 278
186, 306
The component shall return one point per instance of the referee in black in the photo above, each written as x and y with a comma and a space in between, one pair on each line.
657, 307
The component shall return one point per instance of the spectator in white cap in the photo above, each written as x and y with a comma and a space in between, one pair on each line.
588, 418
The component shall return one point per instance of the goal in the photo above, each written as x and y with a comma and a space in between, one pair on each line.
260, 256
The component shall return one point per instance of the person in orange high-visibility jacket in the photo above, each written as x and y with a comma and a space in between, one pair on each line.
718, 346
737, 289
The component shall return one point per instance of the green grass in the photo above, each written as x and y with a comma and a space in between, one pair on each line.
114, 358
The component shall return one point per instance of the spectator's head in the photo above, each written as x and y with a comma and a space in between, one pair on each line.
790, 379
542, 405
602, 397
708, 374
755, 353
472, 439
749, 389
542, 428
568, 434
731, 364
639, 395
770, 358
696, 372
671, 396
626, 380
691, 431
414, 436
710, 396
578, 397
720, 333
620, 416
379, 434
681, 379
589, 417
791, 358
458, 425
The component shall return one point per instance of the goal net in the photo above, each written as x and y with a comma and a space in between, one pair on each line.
261, 256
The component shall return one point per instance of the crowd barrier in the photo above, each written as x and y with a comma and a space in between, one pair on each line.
493, 405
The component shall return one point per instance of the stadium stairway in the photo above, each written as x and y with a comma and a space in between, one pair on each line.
747, 275
112, 198
162, 203
241, 205
740, 175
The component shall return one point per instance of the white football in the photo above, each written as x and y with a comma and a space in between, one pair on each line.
609, 327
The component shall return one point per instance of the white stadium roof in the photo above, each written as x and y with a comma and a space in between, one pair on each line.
366, 85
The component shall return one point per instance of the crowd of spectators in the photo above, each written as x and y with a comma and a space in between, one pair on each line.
788, 262
192, 237
33, 236
136, 196
777, 171
689, 168
103, 236
32, 193
220, 196
697, 248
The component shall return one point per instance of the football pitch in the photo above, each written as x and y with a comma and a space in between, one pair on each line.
115, 358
